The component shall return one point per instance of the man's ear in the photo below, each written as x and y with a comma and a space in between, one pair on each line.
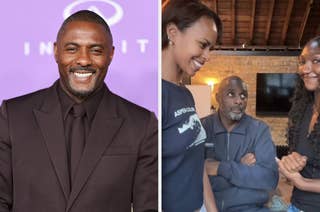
111, 54
172, 31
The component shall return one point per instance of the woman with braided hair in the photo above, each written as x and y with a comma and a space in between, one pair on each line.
302, 165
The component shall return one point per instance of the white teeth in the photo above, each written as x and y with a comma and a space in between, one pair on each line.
198, 65
82, 75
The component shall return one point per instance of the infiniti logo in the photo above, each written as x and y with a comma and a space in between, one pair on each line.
112, 12
115, 18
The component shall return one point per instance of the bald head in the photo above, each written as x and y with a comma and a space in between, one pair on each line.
235, 80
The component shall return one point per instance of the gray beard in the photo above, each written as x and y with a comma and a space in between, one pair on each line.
235, 117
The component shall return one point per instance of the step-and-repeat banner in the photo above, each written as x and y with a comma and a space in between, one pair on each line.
29, 29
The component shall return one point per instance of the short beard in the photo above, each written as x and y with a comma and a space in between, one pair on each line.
234, 116
80, 94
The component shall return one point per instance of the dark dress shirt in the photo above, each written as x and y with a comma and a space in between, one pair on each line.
90, 106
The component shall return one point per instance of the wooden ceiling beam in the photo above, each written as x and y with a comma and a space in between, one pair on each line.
286, 21
269, 19
233, 21
256, 47
304, 20
253, 14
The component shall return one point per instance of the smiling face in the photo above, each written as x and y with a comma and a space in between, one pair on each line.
232, 98
191, 47
83, 53
309, 65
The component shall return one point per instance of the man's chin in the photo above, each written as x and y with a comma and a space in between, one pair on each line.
81, 93
235, 116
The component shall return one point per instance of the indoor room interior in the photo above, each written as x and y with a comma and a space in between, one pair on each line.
261, 41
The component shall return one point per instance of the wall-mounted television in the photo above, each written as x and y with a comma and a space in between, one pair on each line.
273, 94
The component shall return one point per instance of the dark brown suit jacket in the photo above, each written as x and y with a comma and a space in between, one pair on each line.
119, 165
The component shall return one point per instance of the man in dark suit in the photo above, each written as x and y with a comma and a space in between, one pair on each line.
76, 146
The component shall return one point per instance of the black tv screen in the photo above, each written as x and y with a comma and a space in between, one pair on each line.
274, 91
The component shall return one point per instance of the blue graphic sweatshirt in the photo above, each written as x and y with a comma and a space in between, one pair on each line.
182, 150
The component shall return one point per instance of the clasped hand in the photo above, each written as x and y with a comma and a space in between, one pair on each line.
293, 162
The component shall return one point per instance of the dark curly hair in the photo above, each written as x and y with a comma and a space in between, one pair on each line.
301, 99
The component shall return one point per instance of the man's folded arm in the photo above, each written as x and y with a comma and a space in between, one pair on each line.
264, 171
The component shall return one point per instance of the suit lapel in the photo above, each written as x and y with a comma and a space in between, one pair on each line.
50, 121
104, 127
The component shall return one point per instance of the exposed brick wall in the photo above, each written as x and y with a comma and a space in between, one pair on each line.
246, 67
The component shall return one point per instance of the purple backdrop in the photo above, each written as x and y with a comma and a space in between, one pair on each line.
29, 28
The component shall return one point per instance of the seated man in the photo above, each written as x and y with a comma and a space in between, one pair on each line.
241, 158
